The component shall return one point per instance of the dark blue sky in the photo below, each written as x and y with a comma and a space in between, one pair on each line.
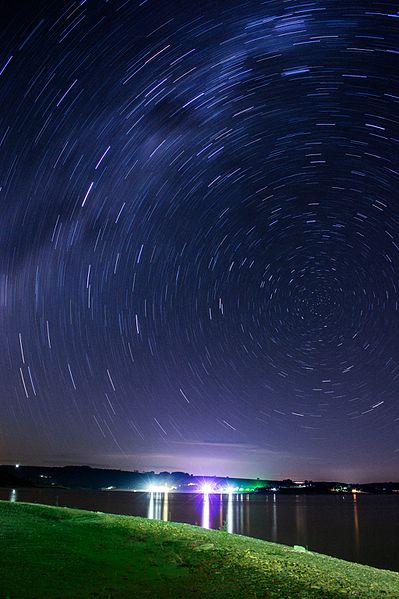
199, 240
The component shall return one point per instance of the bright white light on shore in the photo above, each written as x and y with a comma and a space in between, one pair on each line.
229, 490
158, 489
206, 489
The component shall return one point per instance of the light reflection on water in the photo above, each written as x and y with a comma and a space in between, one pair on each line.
158, 506
206, 511
210, 505
165, 513
151, 507
229, 521
274, 518
356, 526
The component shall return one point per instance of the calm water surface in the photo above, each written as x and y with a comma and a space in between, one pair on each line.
361, 528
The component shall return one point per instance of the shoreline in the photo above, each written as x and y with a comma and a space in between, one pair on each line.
53, 548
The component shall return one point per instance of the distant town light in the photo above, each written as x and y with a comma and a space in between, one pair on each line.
158, 489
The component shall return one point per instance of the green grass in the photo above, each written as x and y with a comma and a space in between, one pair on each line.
54, 553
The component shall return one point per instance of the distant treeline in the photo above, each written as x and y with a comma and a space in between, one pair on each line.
85, 477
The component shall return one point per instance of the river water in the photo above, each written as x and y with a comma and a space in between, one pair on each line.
359, 528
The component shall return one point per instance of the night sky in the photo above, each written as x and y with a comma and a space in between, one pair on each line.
199, 241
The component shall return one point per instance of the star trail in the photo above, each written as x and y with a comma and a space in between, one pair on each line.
199, 241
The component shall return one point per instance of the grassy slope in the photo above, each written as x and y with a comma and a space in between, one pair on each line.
53, 553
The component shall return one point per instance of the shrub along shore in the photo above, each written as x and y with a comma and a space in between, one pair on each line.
61, 553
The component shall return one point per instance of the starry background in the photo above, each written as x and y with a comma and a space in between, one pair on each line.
199, 242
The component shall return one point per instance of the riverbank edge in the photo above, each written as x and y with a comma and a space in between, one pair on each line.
45, 551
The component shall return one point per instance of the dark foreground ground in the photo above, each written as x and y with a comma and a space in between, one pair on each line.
54, 553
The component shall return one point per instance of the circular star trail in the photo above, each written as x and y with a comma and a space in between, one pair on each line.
199, 242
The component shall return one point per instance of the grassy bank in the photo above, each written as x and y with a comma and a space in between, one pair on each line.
54, 553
